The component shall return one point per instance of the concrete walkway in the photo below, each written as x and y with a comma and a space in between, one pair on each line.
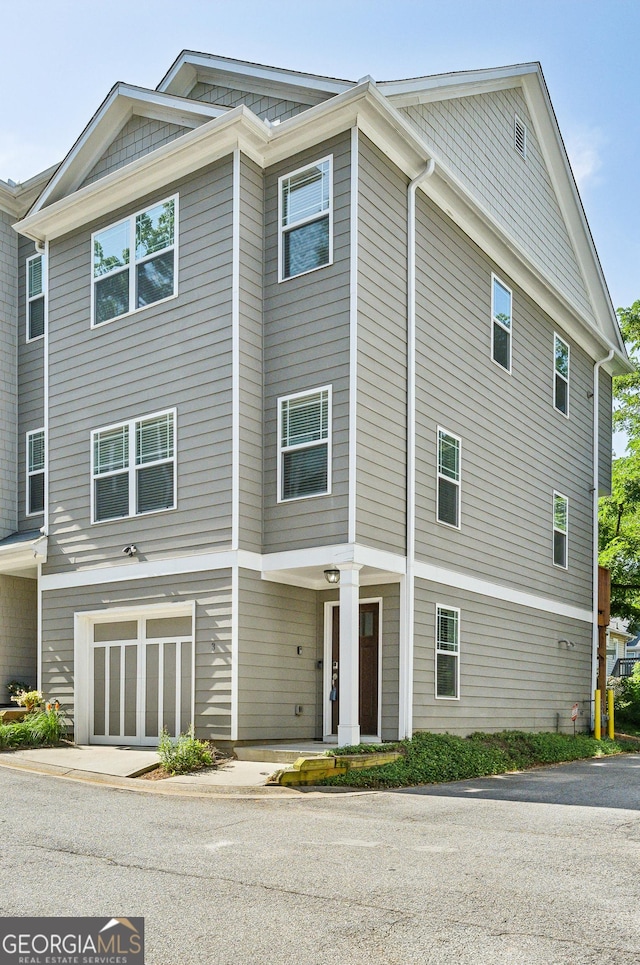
122, 766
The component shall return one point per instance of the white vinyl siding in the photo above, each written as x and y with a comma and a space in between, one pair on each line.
305, 218
501, 303
35, 297
561, 354
134, 262
305, 444
449, 477
134, 468
36, 463
447, 652
560, 530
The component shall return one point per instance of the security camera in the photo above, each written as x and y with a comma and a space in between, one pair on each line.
130, 550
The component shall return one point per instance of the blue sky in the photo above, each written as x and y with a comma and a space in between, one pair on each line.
63, 56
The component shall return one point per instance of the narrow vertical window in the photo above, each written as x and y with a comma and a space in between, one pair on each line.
35, 297
35, 472
448, 652
560, 530
305, 236
520, 137
448, 496
561, 375
304, 431
501, 323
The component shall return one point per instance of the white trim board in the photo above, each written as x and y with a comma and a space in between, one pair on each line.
393, 567
497, 591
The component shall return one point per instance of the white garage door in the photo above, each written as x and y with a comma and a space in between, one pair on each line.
142, 675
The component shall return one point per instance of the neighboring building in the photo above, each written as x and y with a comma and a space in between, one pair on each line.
270, 325
618, 642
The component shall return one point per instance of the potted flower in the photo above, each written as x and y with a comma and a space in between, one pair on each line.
29, 699
15, 687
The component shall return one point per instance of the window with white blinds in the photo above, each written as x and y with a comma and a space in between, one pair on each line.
134, 467
304, 444
305, 219
35, 297
448, 652
35, 446
448, 494
134, 262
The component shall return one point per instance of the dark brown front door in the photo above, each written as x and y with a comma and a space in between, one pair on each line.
368, 634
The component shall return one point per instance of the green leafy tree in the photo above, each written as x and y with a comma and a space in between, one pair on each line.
619, 539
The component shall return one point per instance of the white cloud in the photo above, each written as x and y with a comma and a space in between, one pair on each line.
584, 145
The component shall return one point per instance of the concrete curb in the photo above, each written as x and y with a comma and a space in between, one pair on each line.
274, 792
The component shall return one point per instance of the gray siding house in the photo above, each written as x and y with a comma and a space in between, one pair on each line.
305, 407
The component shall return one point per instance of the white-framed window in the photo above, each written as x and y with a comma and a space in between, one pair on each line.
304, 434
134, 262
36, 465
501, 301
305, 219
560, 374
133, 467
560, 530
448, 652
35, 297
449, 476
520, 136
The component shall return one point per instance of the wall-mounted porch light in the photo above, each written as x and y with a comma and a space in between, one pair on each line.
332, 575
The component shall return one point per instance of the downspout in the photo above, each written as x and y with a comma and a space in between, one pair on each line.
596, 483
406, 672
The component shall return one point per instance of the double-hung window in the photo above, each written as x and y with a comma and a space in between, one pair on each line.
35, 471
560, 375
134, 262
35, 297
134, 467
448, 497
305, 219
501, 300
560, 530
304, 432
448, 652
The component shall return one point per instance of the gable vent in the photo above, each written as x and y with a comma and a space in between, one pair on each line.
520, 137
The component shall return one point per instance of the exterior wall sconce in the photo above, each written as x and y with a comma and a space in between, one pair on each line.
332, 575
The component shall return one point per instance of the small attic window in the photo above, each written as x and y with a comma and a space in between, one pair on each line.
520, 137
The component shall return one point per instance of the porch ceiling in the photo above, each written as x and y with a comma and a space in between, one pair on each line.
21, 553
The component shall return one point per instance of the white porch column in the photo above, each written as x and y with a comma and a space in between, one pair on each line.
349, 665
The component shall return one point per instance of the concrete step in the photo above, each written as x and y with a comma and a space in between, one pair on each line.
280, 754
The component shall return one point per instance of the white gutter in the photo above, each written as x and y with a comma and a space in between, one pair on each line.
596, 482
406, 651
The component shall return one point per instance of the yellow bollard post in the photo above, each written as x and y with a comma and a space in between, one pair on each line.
597, 714
610, 723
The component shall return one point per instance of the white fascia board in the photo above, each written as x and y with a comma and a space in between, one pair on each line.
267, 80
17, 199
439, 87
179, 158
563, 181
122, 103
498, 591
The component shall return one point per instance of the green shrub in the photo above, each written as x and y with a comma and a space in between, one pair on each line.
626, 697
39, 729
435, 758
183, 754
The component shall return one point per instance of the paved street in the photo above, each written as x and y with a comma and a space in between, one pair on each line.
535, 868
